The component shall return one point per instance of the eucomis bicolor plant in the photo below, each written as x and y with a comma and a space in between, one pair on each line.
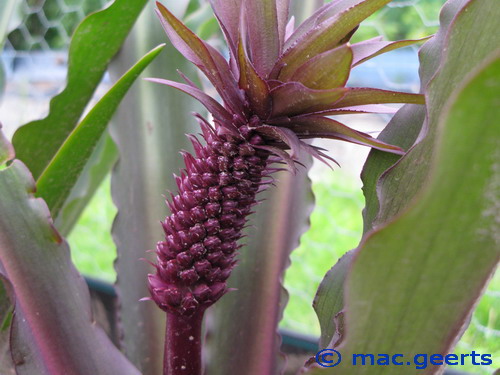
279, 88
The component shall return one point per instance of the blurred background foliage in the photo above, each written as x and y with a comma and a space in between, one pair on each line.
336, 223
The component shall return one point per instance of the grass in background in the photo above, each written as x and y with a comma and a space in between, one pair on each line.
336, 227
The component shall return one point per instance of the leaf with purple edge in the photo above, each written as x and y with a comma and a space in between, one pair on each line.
210, 61
250, 81
263, 34
47, 336
284, 135
368, 108
293, 98
282, 10
228, 13
328, 70
361, 96
326, 35
323, 127
210, 103
368, 49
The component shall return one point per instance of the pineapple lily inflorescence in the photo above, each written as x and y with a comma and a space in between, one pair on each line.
278, 89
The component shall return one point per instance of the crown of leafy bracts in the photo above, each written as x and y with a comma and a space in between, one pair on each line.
284, 82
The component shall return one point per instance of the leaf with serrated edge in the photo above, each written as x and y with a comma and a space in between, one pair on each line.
60, 175
94, 43
456, 52
421, 258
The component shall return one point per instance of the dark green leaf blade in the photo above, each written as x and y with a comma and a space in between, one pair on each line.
96, 40
448, 57
60, 175
405, 292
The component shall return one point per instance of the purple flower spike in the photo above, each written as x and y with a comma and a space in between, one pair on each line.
277, 90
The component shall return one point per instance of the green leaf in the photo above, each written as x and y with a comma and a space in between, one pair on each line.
257, 305
361, 96
96, 169
327, 34
405, 292
149, 132
329, 300
53, 331
366, 50
456, 49
326, 71
58, 178
94, 43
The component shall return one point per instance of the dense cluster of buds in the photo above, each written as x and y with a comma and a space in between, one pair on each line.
280, 86
216, 192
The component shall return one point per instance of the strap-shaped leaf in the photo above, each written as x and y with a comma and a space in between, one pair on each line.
405, 290
327, 34
368, 49
228, 13
94, 43
263, 34
253, 84
210, 103
323, 127
368, 108
361, 96
328, 70
445, 60
294, 98
205, 57
56, 181
53, 331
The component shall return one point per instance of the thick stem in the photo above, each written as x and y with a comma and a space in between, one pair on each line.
183, 344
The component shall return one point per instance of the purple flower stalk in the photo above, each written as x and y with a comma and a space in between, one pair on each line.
278, 88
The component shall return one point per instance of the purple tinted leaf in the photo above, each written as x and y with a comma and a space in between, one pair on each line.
53, 330
250, 81
282, 10
294, 98
308, 24
210, 103
327, 34
369, 108
210, 61
228, 13
285, 135
362, 96
263, 34
323, 127
326, 71
290, 164
368, 49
